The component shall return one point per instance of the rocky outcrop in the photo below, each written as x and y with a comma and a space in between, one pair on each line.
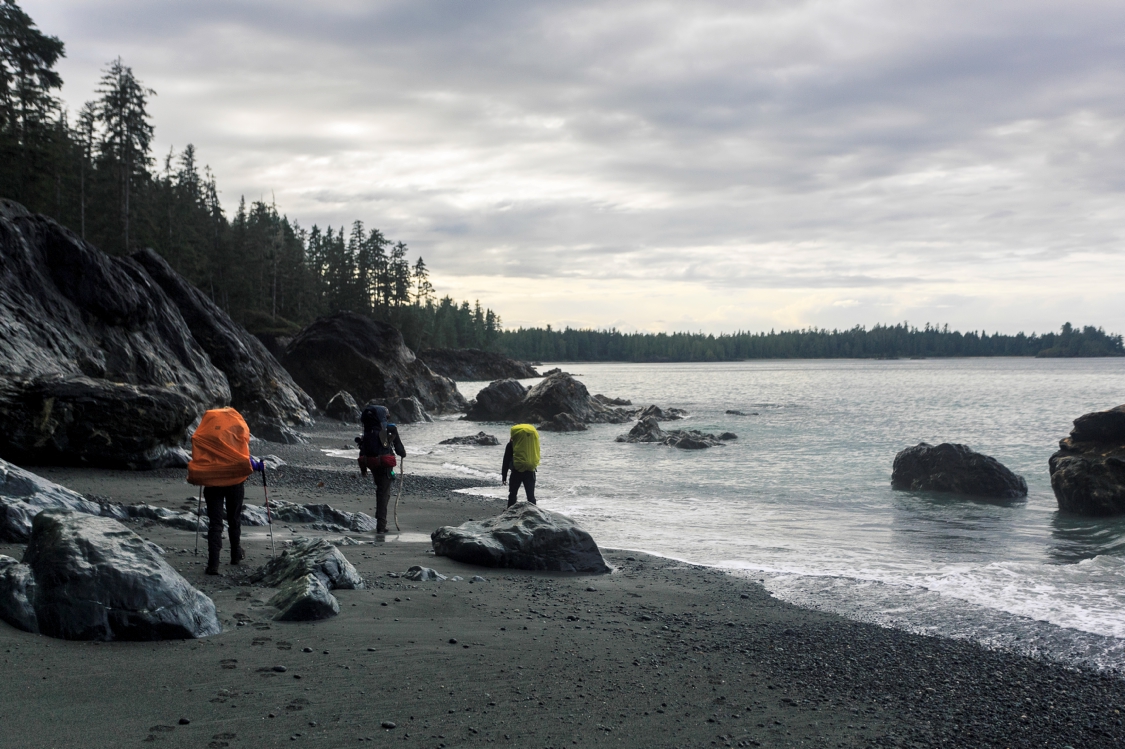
322, 517
309, 557
407, 411
508, 400
17, 593
348, 351
562, 394
474, 364
91, 578
100, 363
262, 391
954, 468
524, 537
1088, 471
480, 438
305, 599
342, 406
97, 366
605, 400
661, 414
648, 430
498, 401
23, 495
562, 423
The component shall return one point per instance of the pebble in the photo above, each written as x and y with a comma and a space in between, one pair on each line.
371, 650
184, 721
306, 650
591, 589
452, 640
280, 669
388, 724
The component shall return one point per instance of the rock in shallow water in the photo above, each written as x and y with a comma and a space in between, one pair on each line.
648, 430
954, 468
1088, 471
525, 537
94, 579
480, 438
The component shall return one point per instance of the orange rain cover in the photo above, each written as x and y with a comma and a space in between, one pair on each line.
220, 450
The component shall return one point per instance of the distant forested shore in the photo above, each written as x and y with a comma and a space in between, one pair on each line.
899, 341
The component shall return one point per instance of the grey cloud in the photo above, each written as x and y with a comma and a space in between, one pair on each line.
761, 145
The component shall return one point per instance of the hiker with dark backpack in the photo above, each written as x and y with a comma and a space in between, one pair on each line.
377, 448
220, 463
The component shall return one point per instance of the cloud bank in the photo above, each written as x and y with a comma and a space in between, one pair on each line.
655, 165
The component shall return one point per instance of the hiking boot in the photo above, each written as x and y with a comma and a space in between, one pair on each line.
211, 570
237, 555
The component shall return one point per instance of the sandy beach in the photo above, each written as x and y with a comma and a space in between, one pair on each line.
657, 654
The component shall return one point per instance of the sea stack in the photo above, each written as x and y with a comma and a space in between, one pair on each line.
1088, 471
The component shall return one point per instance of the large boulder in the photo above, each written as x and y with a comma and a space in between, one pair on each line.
475, 364
97, 365
17, 593
307, 556
91, 578
497, 401
562, 423
305, 599
23, 495
263, 392
1088, 471
954, 468
342, 406
555, 395
349, 351
407, 411
524, 537
562, 394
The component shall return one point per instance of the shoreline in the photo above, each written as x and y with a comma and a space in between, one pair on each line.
660, 652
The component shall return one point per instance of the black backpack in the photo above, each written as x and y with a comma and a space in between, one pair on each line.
372, 442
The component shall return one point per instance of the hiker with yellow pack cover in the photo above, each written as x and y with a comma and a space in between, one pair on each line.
521, 456
220, 463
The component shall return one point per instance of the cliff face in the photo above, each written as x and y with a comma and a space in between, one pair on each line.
98, 366
271, 402
368, 359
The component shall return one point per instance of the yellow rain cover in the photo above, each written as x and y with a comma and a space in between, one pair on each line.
525, 447
220, 449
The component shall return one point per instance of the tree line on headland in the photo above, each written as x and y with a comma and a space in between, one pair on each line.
97, 175
879, 342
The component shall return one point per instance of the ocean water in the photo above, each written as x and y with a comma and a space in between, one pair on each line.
802, 500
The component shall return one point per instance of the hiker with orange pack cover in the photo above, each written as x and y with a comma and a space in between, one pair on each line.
220, 463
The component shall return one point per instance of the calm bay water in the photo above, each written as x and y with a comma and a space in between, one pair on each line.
802, 500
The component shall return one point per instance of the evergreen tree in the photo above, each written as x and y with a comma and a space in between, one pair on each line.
126, 138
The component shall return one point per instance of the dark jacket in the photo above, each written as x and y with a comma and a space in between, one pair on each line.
508, 462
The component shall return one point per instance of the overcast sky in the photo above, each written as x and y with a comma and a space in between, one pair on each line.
667, 166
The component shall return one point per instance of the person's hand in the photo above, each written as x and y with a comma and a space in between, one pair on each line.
503, 482
257, 464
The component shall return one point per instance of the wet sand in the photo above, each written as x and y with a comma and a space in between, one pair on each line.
657, 654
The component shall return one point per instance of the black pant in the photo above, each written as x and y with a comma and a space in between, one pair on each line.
215, 496
383, 481
527, 478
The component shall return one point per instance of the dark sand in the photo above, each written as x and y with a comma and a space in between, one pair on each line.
657, 654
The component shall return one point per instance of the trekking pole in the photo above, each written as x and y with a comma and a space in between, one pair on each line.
401, 481
198, 518
269, 515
